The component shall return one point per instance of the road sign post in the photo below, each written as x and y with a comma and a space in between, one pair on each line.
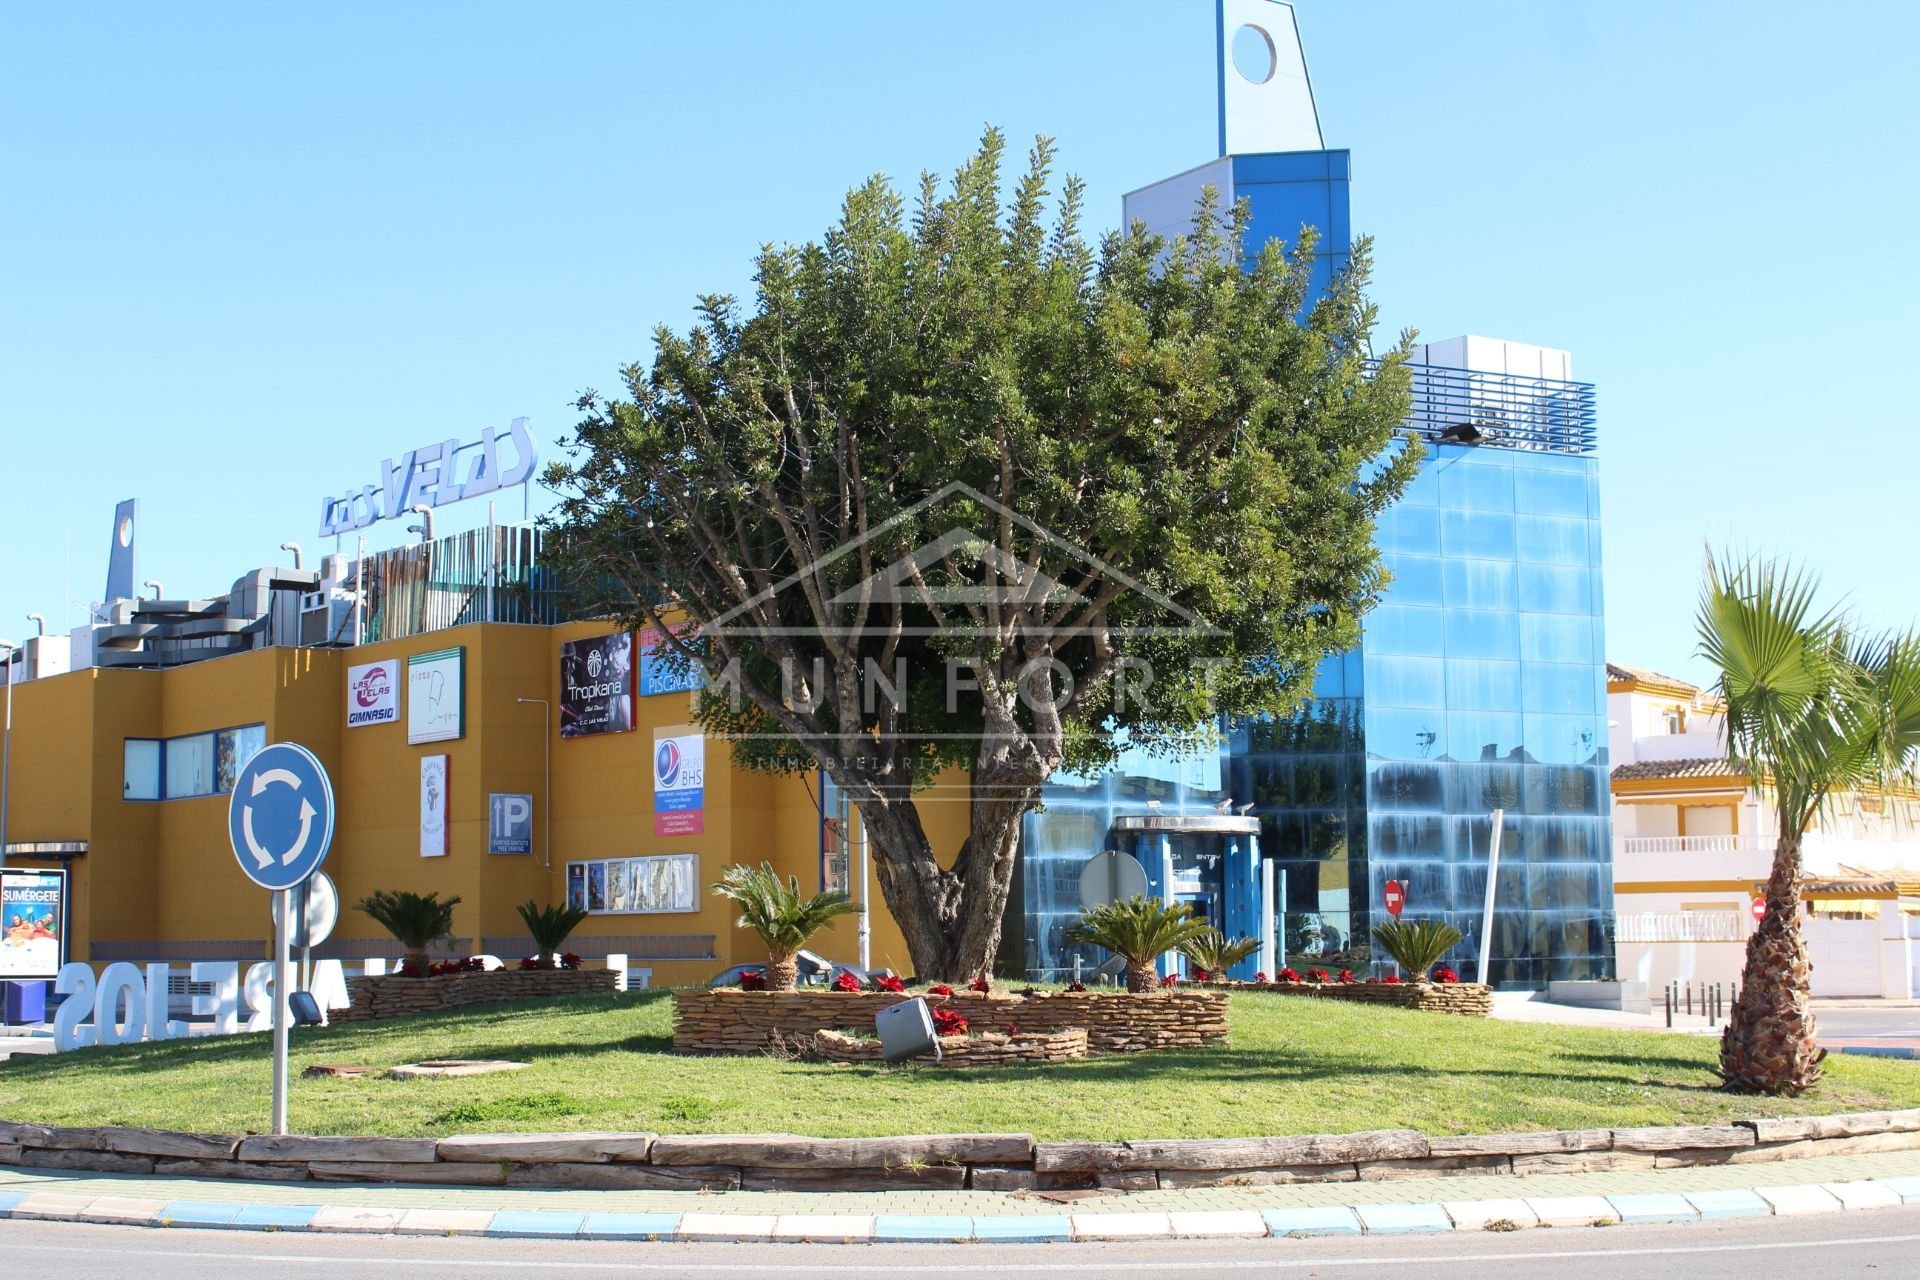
280, 822
1396, 898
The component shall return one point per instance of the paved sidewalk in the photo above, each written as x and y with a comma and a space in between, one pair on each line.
1829, 1184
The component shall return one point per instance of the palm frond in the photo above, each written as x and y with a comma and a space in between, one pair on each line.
1215, 952
1416, 945
416, 920
775, 909
1140, 929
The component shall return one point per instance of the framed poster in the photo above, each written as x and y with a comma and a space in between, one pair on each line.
436, 696
596, 685
660, 672
636, 886
373, 694
679, 782
33, 923
433, 806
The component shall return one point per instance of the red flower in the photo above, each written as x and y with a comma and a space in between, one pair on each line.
1260, 976
1346, 975
1171, 980
946, 1022
939, 989
1012, 1031
846, 981
753, 980
1392, 979
1201, 975
1076, 986
981, 984
569, 961
1444, 974
1288, 974
887, 982
1318, 975
532, 962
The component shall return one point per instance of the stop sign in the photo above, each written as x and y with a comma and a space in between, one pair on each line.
1396, 898
1759, 908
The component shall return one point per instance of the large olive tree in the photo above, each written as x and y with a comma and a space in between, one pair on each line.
960, 489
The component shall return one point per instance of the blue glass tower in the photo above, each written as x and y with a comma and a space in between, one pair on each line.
1479, 684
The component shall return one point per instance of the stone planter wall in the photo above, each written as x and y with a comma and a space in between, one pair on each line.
1468, 999
981, 1161
393, 997
728, 1020
990, 1049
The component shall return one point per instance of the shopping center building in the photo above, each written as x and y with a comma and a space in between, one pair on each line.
485, 742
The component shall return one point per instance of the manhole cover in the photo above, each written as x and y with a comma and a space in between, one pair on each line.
338, 1070
453, 1067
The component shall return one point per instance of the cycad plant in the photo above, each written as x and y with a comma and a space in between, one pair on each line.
416, 920
1213, 952
1416, 945
550, 926
774, 909
1812, 708
1139, 930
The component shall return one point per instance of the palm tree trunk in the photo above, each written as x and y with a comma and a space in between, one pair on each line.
782, 971
1768, 1046
1140, 975
415, 960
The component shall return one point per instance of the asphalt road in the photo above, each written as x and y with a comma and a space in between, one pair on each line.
1895, 1024
1879, 1242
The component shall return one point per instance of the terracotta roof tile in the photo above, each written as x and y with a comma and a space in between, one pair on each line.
1693, 767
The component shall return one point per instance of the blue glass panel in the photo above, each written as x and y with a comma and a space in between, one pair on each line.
1482, 633
1405, 629
1549, 493
1424, 489
1552, 540
1406, 734
1563, 739
1480, 534
1474, 684
1483, 735
1479, 584
1475, 481
1328, 681
1558, 637
1558, 687
1415, 529
1556, 588
1405, 682
1416, 579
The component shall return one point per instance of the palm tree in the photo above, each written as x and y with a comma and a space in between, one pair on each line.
549, 926
1213, 952
774, 909
1416, 945
1140, 930
416, 920
1812, 707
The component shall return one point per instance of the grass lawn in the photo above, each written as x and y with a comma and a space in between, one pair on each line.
604, 1062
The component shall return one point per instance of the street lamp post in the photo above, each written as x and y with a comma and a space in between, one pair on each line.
6, 748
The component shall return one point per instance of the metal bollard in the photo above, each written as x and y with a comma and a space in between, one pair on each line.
1689, 999
1669, 1006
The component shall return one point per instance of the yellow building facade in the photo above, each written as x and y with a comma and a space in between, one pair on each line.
156, 879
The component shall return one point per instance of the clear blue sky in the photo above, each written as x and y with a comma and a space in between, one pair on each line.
247, 251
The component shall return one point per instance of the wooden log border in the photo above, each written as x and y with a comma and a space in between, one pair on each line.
977, 1161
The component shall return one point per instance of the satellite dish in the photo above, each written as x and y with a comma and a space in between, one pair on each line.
1111, 877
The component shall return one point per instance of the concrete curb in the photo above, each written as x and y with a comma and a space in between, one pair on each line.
1333, 1220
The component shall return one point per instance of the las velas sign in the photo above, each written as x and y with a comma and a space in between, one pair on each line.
433, 475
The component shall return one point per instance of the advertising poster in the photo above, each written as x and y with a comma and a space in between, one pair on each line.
33, 923
433, 806
596, 685
436, 695
657, 673
373, 694
509, 822
679, 783
635, 886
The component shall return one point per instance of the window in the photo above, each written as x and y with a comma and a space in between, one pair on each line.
198, 764
1676, 720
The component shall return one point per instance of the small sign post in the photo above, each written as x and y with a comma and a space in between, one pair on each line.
280, 822
1759, 910
1396, 896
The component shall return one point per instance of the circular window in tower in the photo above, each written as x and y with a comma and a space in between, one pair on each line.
1253, 55
126, 531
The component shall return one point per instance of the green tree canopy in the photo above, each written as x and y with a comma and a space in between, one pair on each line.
960, 489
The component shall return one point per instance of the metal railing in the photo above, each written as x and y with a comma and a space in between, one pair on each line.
1696, 844
1502, 409
491, 574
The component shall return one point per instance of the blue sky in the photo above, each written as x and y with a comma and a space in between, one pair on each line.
247, 251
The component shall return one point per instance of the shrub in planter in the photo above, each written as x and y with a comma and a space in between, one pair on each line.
887, 982
549, 926
1212, 953
753, 980
567, 961
1317, 975
774, 909
845, 982
1444, 974
939, 989
981, 985
946, 1022
1346, 975
1416, 945
1289, 974
1140, 930
416, 921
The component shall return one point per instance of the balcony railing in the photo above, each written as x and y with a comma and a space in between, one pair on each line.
1697, 844
1680, 926
1469, 406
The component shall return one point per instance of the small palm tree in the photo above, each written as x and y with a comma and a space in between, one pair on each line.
774, 909
1812, 708
549, 926
1416, 945
416, 920
1214, 952
1140, 930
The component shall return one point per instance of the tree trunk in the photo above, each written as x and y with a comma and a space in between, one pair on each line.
1768, 1046
782, 971
1141, 975
415, 960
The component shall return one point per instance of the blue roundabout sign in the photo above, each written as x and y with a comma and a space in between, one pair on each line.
280, 817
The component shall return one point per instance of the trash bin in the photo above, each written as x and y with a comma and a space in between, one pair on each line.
25, 1004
